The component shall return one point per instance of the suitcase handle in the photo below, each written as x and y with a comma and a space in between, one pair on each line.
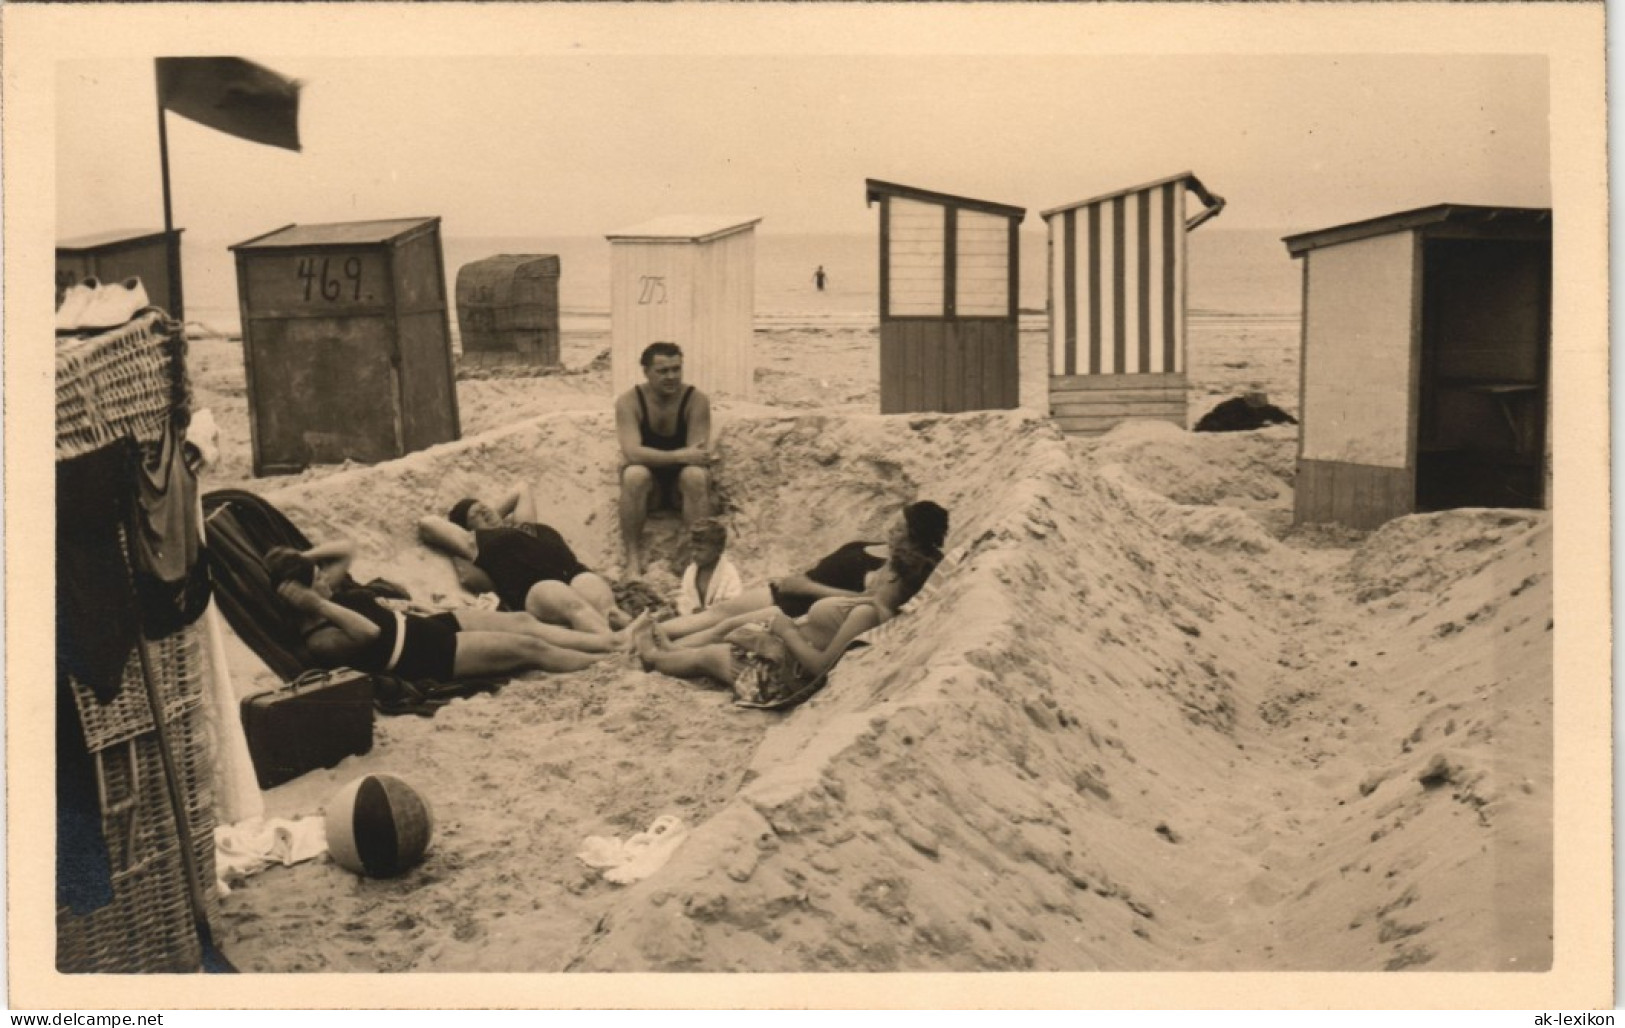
318, 675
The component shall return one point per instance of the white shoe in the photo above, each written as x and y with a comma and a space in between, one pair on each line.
114, 304
74, 301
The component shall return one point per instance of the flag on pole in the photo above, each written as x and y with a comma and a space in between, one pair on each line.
232, 95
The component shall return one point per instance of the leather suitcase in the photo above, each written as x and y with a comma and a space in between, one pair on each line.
315, 721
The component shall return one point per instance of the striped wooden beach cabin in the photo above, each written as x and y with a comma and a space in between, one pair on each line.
1424, 370
949, 284
691, 280
1117, 303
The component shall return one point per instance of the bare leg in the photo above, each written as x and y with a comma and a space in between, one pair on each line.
556, 602
694, 486
636, 484
715, 633
520, 623
491, 653
754, 598
713, 662
598, 593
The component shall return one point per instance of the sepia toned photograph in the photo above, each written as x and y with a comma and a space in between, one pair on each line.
681, 494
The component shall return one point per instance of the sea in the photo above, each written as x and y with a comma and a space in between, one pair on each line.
1235, 275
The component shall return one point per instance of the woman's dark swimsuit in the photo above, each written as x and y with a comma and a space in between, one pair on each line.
428, 650
516, 557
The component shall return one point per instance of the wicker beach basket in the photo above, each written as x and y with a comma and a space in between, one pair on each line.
130, 382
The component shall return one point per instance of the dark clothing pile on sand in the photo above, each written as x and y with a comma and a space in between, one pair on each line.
1239, 414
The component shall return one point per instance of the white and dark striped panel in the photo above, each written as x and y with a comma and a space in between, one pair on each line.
1119, 273
917, 257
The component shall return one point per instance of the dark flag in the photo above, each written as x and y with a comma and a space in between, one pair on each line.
232, 95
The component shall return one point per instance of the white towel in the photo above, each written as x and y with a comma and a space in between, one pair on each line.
725, 585
638, 857
251, 846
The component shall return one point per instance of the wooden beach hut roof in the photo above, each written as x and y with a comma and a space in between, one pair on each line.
684, 228
1513, 220
346, 233
874, 189
96, 240
1213, 202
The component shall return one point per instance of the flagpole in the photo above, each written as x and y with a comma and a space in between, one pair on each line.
171, 245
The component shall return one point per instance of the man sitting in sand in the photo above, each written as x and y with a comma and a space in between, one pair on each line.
505, 550
664, 429
923, 525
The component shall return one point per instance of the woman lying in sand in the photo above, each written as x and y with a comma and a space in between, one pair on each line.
503, 549
765, 656
352, 629
922, 525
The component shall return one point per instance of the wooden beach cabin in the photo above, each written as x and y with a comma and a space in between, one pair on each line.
690, 280
346, 342
950, 275
1117, 266
116, 256
1424, 369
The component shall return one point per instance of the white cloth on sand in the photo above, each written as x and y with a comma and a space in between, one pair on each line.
251, 846
725, 585
638, 857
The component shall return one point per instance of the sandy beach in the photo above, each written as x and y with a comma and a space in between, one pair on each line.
1137, 721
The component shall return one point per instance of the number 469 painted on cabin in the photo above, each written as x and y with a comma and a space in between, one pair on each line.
653, 289
319, 277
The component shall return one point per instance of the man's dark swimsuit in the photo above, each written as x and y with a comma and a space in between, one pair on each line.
665, 476
427, 650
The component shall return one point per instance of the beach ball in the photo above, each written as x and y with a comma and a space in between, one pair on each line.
378, 826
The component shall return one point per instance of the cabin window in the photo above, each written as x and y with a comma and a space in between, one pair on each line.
916, 258
982, 270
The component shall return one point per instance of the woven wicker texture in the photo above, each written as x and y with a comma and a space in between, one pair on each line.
130, 382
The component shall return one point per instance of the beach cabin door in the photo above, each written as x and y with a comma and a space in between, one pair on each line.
949, 282
1117, 304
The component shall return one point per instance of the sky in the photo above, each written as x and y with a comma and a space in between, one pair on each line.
588, 143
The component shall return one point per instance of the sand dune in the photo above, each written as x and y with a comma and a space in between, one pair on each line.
1136, 722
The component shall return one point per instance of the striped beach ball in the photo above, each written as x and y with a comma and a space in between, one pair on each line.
378, 826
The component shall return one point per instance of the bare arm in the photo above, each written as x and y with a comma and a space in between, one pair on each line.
801, 585
519, 505
699, 423
345, 631
440, 534
816, 661
631, 440
333, 559
472, 578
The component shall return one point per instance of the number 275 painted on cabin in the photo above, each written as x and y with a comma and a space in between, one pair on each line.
652, 289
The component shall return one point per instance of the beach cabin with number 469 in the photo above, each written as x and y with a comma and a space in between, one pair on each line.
1117, 304
949, 283
1426, 341
690, 280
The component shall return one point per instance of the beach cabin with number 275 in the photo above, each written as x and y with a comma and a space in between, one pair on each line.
1117, 304
949, 283
690, 280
